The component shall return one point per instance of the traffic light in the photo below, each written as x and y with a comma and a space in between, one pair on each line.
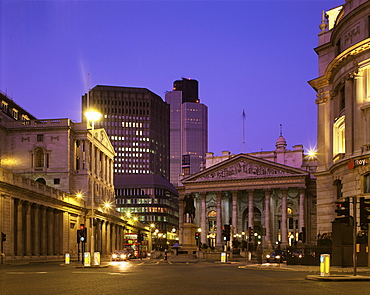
227, 232
342, 210
250, 233
3, 237
364, 211
82, 234
197, 235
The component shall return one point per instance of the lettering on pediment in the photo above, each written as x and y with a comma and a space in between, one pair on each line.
243, 169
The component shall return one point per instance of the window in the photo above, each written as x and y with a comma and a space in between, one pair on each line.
56, 180
40, 137
39, 157
338, 188
15, 114
339, 137
367, 183
4, 106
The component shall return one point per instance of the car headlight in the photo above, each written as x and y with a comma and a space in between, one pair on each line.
267, 256
114, 256
123, 256
277, 256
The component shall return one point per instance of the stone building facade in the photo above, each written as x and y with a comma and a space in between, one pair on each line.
45, 164
343, 102
272, 193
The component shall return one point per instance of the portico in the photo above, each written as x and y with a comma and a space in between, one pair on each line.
276, 201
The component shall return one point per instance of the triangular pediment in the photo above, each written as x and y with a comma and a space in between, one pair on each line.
243, 167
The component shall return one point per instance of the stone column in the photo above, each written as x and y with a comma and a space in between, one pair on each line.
51, 225
302, 193
284, 230
349, 115
43, 231
267, 216
219, 220
36, 238
109, 235
104, 236
28, 241
251, 208
235, 210
203, 225
19, 231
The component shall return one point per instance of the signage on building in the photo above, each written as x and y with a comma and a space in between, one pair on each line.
359, 162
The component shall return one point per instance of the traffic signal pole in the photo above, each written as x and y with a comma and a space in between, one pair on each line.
354, 235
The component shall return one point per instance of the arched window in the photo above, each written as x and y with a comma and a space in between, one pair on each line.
39, 157
339, 137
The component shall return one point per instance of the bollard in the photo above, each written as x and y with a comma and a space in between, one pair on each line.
325, 265
87, 259
96, 258
67, 258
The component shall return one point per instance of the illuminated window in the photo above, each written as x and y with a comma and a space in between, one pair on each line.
339, 137
39, 157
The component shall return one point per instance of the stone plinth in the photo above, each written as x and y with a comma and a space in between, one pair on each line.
189, 243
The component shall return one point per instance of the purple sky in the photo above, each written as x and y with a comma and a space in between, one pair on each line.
252, 55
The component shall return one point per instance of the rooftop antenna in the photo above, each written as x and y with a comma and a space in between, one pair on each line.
88, 91
281, 130
243, 143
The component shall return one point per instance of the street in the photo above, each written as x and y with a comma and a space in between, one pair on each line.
163, 277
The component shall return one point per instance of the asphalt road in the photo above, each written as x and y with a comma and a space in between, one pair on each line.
162, 277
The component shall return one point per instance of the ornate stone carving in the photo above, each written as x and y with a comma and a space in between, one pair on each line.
243, 169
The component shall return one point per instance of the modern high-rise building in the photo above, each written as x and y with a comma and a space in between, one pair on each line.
189, 89
188, 129
138, 124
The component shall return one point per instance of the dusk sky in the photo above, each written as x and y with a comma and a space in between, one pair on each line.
252, 55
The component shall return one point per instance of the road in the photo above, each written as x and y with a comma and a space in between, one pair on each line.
162, 277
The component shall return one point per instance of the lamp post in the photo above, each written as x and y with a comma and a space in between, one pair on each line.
92, 116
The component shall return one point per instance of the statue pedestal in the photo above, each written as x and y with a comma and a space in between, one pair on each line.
188, 234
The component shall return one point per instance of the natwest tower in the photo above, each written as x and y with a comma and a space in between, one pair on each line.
188, 129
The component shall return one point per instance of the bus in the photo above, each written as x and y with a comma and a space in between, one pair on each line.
138, 249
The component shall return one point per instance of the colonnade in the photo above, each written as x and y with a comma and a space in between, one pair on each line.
40, 230
273, 203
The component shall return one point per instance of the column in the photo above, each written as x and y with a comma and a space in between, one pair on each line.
219, 220
43, 229
251, 208
50, 235
349, 115
301, 209
104, 236
28, 224
19, 231
109, 236
284, 232
235, 210
267, 216
203, 222
36, 238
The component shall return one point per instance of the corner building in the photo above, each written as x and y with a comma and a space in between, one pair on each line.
343, 103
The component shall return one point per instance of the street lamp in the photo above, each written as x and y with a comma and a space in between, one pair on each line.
92, 116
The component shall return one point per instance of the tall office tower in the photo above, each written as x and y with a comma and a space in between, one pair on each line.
137, 122
189, 89
188, 130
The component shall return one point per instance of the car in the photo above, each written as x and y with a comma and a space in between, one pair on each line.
120, 255
276, 256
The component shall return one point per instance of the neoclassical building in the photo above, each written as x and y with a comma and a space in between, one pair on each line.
45, 164
272, 193
343, 103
